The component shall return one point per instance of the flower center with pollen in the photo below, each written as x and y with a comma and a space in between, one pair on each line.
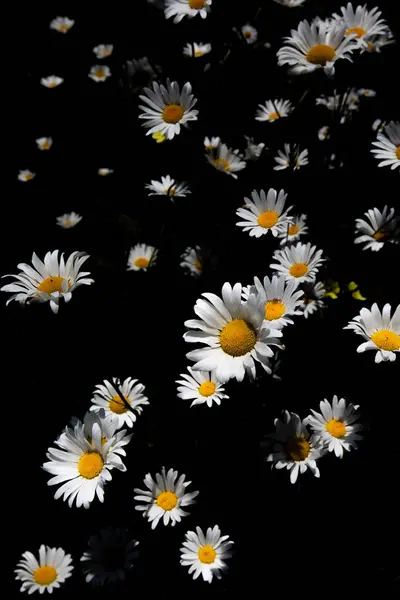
273, 116
298, 448
336, 428
274, 309
45, 575
237, 338
90, 465
198, 264
207, 554
378, 235
293, 229
167, 500
298, 269
173, 113
320, 54
398, 152
197, 4
46, 145
247, 34
207, 388
268, 219
359, 31
222, 164
52, 284
386, 340
117, 406
99, 73
142, 262
198, 52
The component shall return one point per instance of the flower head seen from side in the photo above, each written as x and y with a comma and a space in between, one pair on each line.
186, 8
167, 187
381, 331
272, 110
45, 574
99, 73
164, 498
196, 50
142, 257
233, 334
387, 146
378, 230
192, 260
69, 220
323, 133
44, 143
299, 262
109, 557
378, 125
48, 281
294, 230
26, 175
291, 157
104, 172
249, 33
201, 387
264, 213
336, 425
361, 23
205, 553
253, 150
226, 160
62, 24
291, 3
366, 92
314, 294
211, 143
121, 413
293, 447
167, 108
51, 81
103, 50
280, 297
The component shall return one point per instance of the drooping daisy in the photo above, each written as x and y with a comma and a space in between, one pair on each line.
205, 554
164, 498
69, 220
316, 46
290, 3
323, 133
313, 298
336, 425
379, 229
381, 332
168, 108
253, 150
99, 73
192, 260
388, 146
26, 175
45, 574
103, 50
167, 187
51, 81
104, 172
225, 159
291, 157
106, 396
249, 33
110, 555
61, 24
141, 257
366, 92
44, 143
295, 230
196, 50
201, 387
265, 213
361, 22
186, 8
273, 110
280, 298
293, 448
233, 333
299, 262
52, 280
211, 143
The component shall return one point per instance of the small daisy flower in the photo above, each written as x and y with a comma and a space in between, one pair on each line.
379, 229
106, 396
366, 92
388, 146
99, 73
249, 33
201, 387
69, 220
26, 175
280, 298
103, 50
61, 24
192, 260
314, 294
45, 574
290, 3
273, 110
110, 555
253, 150
51, 81
211, 143
186, 8
205, 554
104, 172
323, 133
196, 50
142, 257
361, 22
44, 143
299, 262
294, 230
167, 187
164, 498
265, 212
225, 159
291, 157
336, 425
381, 332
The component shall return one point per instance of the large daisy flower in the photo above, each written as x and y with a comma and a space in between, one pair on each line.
299, 262
381, 332
378, 230
142, 257
51, 81
335, 426
225, 159
26, 175
272, 110
45, 574
106, 396
44, 143
201, 387
192, 260
164, 498
168, 108
265, 213
313, 298
167, 187
103, 50
52, 280
196, 50
68, 220
295, 230
291, 157
233, 334
361, 22
280, 297
388, 146
61, 24
186, 8
205, 554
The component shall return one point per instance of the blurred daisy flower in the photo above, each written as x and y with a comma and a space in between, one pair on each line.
211, 143
99, 73
366, 92
205, 554
388, 146
201, 387
314, 294
291, 157
377, 42
323, 133
264, 213
158, 137
44, 143
118, 412
61, 24
378, 125
253, 150
294, 230
225, 159
45, 574
103, 50
249, 33
69, 220
361, 22
141, 257
138, 73
104, 172
26, 175
273, 110
280, 298
299, 262
186, 8
196, 50
51, 81
379, 229
380, 330
290, 3
167, 187
192, 260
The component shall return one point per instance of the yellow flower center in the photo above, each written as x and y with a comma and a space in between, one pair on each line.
99, 73
52, 284
45, 575
28, 176
90, 465
398, 152
117, 406
274, 309
359, 31
67, 222
237, 338
298, 269
320, 54
207, 388
167, 500
308, 300
198, 52
63, 27
293, 229
336, 428
273, 116
46, 145
52, 84
378, 235
222, 164
248, 34
207, 554
198, 264
173, 113
142, 262
268, 219
386, 340
197, 4
298, 448
171, 191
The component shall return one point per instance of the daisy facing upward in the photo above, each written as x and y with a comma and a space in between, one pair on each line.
299, 262
200, 387
205, 553
45, 574
264, 213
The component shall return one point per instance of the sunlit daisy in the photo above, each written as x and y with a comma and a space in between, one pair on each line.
186, 8
225, 159
290, 3
69, 220
26, 175
272, 110
61, 24
52, 280
44, 143
323, 133
51, 81
167, 187
205, 554
211, 143
119, 412
233, 333
201, 387
388, 146
366, 92
264, 213
249, 33
314, 294
299, 262
196, 50
253, 150
280, 298
336, 425
291, 157
103, 50
45, 574
99, 73
377, 230
192, 260
294, 230
104, 172
361, 22
141, 257
381, 332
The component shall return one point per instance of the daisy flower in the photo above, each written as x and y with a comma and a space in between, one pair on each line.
381, 332
293, 448
26, 175
273, 110
106, 397
225, 159
109, 430
388, 146
377, 42
378, 230
335, 426
51, 81
253, 151
103, 50
99, 73
299, 262
313, 298
104, 172
211, 143
291, 157
186, 8
378, 125
52, 280
316, 46
45, 574
294, 230
61, 24
110, 555
366, 92
201, 387
44, 143
167, 187
265, 213
280, 298
361, 22
141, 257
69, 220
290, 3
192, 260
164, 498
196, 50
233, 334
323, 133
205, 554
249, 33
168, 108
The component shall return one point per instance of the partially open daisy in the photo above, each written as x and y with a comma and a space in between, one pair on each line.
168, 108
225, 159
290, 3
299, 262
280, 297
196, 50
69, 220
264, 213
388, 146
167, 187
104, 172
253, 150
323, 133
141, 257
51, 81
110, 430
249, 33
293, 448
120, 412
205, 554
201, 387
314, 294
336, 425
26, 175
233, 334
99, 73
272, 110
316, 46
361, 22
295, 230
378, 230
186, 8
44, 143
103, 50
52, 280
291, 157
381, 332
211, 143
192, 260
45, 574
61, 24
164, 498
